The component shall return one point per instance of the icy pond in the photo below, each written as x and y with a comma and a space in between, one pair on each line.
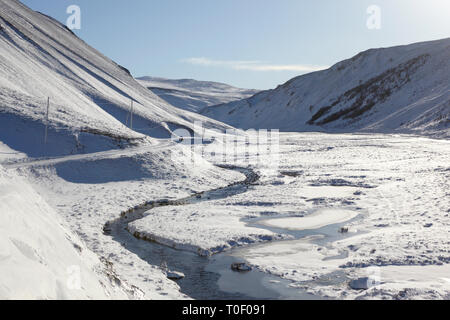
212, 277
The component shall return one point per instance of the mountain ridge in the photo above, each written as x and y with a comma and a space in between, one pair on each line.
397, 89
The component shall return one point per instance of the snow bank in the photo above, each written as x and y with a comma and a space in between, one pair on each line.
410, 282
40, 258
398, 89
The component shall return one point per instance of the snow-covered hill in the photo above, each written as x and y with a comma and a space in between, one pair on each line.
90, 95
398, 89
193, 95
40, 257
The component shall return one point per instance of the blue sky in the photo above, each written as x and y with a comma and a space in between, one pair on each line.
246, 43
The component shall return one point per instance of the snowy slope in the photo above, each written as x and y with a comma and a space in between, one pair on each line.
90, 94
193, 95
404, 88
40, 258
89, 190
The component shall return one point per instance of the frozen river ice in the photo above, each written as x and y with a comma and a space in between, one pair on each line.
394, 190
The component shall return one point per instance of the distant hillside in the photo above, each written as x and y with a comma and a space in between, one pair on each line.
398, 89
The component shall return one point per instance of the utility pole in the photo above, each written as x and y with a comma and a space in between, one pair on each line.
47, 120
131, 115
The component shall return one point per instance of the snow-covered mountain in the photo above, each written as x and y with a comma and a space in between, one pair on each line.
398, 89
43, 247
194, 95
90, 95
97, 211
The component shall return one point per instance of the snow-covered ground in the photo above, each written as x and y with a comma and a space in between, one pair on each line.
318, 219
390, 192
194, 95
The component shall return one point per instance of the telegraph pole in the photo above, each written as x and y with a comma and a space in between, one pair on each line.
47, 120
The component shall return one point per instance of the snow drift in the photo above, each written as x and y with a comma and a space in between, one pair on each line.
90, 95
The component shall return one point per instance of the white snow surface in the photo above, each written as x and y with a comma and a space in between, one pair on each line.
401, 89
90, 158
397, 185
89, 190
318, 219
204, 230
90, 95
39, 254
194, 95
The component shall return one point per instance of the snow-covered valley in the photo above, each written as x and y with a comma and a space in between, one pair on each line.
104, 195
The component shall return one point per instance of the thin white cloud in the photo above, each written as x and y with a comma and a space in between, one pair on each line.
251, 65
